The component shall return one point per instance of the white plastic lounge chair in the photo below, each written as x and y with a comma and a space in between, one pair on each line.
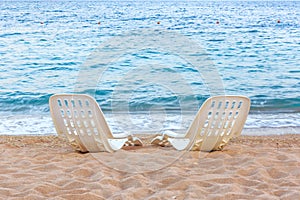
218, 120
80, 118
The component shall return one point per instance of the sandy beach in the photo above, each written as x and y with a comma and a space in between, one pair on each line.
249, 167
150, 66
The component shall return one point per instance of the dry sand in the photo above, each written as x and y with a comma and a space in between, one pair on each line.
249, 167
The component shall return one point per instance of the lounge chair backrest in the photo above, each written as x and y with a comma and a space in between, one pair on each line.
80, 118
219, 116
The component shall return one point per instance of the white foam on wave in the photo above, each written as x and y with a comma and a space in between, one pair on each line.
256, 124
26, 125
148, 123
278, 120
271, 131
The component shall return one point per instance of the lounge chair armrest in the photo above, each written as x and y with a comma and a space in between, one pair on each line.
172, 133
120, 135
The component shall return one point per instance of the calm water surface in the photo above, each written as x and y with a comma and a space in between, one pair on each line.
255, 47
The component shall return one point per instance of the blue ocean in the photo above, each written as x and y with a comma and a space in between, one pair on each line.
143, 61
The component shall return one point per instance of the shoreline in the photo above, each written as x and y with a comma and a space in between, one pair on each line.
60, 141
249, 167
43, 125
259, 131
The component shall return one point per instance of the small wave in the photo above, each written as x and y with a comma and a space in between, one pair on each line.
262, 103
216, 40
61, 68
9, 34
24, 102
18, 101
294, 71
255, 70
252, 31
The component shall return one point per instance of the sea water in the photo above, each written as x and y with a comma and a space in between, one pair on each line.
253, 46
